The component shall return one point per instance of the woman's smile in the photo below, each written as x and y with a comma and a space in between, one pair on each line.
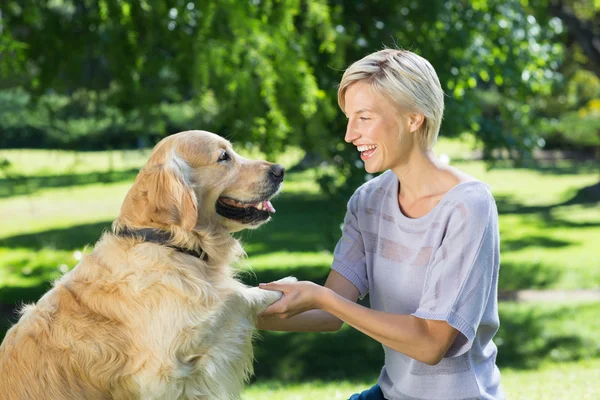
367, 151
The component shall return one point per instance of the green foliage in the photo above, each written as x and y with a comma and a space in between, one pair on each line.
248, 64
12, 51
87, 120
583, 126
579, 121
120, 73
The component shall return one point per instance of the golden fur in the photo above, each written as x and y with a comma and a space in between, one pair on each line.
139, 320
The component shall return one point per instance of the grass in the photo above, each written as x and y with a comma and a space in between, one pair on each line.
552, 381
546, 351
53, 204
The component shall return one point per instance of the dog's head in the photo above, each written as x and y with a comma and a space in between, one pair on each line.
194, 179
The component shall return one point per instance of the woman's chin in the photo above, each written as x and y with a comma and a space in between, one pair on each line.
372, 168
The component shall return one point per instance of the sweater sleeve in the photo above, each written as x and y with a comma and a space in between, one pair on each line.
464, 268
349, 254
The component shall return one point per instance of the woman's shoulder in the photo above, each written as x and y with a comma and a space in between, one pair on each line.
471, 191
471, 198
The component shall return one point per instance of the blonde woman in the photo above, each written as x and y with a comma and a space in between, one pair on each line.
421, 238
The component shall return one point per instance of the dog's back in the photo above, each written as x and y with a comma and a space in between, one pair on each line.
131, 323
61, 349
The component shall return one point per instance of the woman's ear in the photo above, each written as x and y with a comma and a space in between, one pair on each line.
415, 121
161, 196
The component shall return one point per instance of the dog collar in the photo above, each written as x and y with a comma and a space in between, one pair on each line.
159, 237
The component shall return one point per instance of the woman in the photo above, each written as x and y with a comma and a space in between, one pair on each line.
421, 239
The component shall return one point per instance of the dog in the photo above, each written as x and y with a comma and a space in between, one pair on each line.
154, 311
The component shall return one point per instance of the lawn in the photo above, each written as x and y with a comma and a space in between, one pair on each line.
551, 381
53, 204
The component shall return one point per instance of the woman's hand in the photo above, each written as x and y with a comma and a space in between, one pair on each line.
297, 298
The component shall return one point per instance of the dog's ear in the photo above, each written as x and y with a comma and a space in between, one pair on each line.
172, 201
161, 196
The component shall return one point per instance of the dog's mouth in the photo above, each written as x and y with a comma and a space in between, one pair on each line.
252, 212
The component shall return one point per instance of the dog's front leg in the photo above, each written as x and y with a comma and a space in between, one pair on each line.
260, 299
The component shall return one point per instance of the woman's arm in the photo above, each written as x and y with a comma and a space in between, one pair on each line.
424, 340
313, 320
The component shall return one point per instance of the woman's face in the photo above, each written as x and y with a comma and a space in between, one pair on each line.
374, 128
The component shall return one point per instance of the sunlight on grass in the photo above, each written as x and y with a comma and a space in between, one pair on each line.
579, 380
29, 162
283, 260
530, 186
309, 390
58, 208
455, 148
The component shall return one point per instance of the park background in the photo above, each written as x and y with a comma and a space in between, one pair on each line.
87, 87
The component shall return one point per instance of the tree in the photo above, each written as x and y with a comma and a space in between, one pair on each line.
246, 66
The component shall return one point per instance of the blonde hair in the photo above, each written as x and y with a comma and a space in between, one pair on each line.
405, 79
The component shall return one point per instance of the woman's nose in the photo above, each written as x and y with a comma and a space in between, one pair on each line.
351, 133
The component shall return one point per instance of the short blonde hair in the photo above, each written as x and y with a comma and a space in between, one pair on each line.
405, 79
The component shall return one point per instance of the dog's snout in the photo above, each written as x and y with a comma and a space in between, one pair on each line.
276, 172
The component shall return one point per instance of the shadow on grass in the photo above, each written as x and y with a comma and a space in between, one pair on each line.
588, 196
23, 185
529, 336
533, 241
302, 223
532, 275
74, 237
585, 165
346, 354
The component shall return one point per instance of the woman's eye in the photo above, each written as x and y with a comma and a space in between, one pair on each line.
224, 156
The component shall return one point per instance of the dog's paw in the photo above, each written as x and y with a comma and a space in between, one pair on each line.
261, 299
288, 279
265, 297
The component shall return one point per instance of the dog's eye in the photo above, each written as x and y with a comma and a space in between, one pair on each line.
224, 156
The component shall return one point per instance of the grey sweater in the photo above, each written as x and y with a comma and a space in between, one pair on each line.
442, 266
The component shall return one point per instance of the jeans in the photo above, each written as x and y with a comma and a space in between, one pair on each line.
371, 394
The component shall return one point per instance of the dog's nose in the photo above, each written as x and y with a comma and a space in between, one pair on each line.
277, 172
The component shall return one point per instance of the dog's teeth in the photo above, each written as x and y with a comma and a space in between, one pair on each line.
259, 206
269, 206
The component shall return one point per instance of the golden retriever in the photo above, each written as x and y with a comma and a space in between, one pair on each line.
154, 311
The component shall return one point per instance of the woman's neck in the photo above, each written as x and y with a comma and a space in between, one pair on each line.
422, 175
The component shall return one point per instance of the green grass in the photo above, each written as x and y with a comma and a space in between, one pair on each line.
53, 204
552, 381
547, 240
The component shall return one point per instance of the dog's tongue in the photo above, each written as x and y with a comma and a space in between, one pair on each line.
268, 206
